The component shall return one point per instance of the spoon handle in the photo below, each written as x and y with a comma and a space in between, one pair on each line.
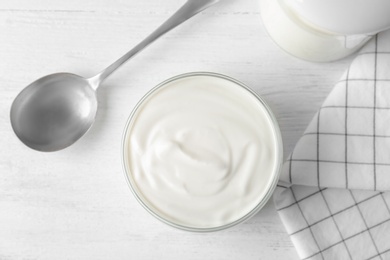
189, 9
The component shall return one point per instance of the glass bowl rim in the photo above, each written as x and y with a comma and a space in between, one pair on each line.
279, 153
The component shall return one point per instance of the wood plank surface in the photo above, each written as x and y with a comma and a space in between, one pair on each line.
75, 204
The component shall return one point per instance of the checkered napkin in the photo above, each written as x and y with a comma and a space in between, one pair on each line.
334, 194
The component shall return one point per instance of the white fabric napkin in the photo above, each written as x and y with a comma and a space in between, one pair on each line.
334, 194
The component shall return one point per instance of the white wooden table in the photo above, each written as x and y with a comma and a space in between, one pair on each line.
75, 204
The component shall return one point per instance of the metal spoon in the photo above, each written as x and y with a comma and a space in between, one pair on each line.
53, 112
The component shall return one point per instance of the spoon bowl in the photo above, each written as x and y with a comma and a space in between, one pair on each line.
53, 112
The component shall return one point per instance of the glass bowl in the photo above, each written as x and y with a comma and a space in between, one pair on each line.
131, 164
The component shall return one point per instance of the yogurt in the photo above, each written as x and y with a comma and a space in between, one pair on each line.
202, 152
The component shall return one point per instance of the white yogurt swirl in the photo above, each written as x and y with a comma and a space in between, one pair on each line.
201, 151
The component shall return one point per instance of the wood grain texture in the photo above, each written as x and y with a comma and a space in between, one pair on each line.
75, 204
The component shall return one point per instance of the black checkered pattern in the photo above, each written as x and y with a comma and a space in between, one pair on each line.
334, 194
